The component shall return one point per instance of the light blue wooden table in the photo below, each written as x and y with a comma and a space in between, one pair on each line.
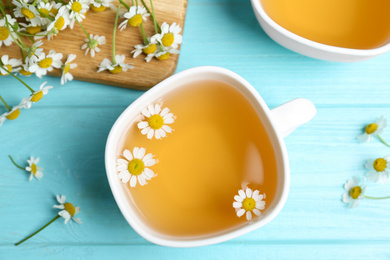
68, 130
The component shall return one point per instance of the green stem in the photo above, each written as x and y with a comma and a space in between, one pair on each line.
20, 167
60, 1
114, 34
9, 4
85, 31
152, 14
153, 17
125, 5
146, 42
383, 141
376, 198
39, 230
5, 104
45, 15
21, 81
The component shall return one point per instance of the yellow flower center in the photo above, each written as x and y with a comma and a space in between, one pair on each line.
135, 21
156, 121
355, 192
76, 7
59, 24
249, 204
70, 208
136, 166
54, 11
34, 168
167, 39
4, 33
34, 29
45, 63
371, 128
27, 13
25, 72
164, 56
380, 164
44, 11
37, 96
9, 68
116, 70
150, 49
14, 115
98, 9
66, 68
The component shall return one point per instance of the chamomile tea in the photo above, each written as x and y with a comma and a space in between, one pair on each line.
357, 24
186, 181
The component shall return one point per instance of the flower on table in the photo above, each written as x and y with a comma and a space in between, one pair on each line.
68, 210
34, 169
100, 5
6, 37
61, 21
77, 10
9, 65
134, 17
46, 63
163, 54
27, 11
375, 128
34, 52
134, 167
147, 49
12, 113
157, 122
378, 169
355, 189
170, 35
66, 67
24, 70
43, 9
36, 96
116, 67
93, 44
248, 202
30, 29
55, 8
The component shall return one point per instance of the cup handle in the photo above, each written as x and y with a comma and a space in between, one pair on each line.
289, 116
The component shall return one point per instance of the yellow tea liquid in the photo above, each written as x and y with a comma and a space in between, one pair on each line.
357, 24
218, 146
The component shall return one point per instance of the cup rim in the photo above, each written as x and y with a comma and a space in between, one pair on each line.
153, 94
313, 44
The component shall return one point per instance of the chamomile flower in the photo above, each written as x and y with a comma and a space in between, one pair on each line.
30, 29
13, 113
134, 167
375, 128
68, 210
114, 68
354, 192
44, 12
379, 169
5, 34
36, 96
24, 70
248, 202
46, 63
27, 11
100, 5
34, 169
61, 21
77, 10
55, 8
93, 44
157, 122
170, 35
34, 52
163, 55
147, 49
66, 67
134, 17
9, 65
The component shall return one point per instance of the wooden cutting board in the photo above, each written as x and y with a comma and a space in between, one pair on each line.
144, 75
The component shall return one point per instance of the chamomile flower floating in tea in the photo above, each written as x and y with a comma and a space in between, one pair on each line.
7, 34
373, 129
92, 44
247, 202
134, 167
157, 122
46, 63
134, 17
66, 76
8, 65
68, 210
378, 169
32, 168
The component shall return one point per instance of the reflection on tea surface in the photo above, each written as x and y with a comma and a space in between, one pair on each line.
357, 24
218, 146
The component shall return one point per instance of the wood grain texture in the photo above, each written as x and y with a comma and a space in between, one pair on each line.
68, 130
143, 76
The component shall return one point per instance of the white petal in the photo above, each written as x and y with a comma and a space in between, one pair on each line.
354, 204
169, 120
135, 152
141, 153
133, 181
347, 198
77, 220
255, 194
150, 162
126, 178
147, 157
237, 204
127, 155
248, 215
157, 134
121, 167
257, 212
146, 112
145, 130
149, 173
162, 133
141, 180
164, 112
157, 109
167, 129
240, 212
248, 193
59, 206
242, 194
238, 198
142, 124
151, 109
150, 133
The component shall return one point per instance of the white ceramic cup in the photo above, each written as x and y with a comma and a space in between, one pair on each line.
310, 48
279, 122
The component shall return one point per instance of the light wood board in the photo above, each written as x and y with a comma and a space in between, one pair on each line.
144, 75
